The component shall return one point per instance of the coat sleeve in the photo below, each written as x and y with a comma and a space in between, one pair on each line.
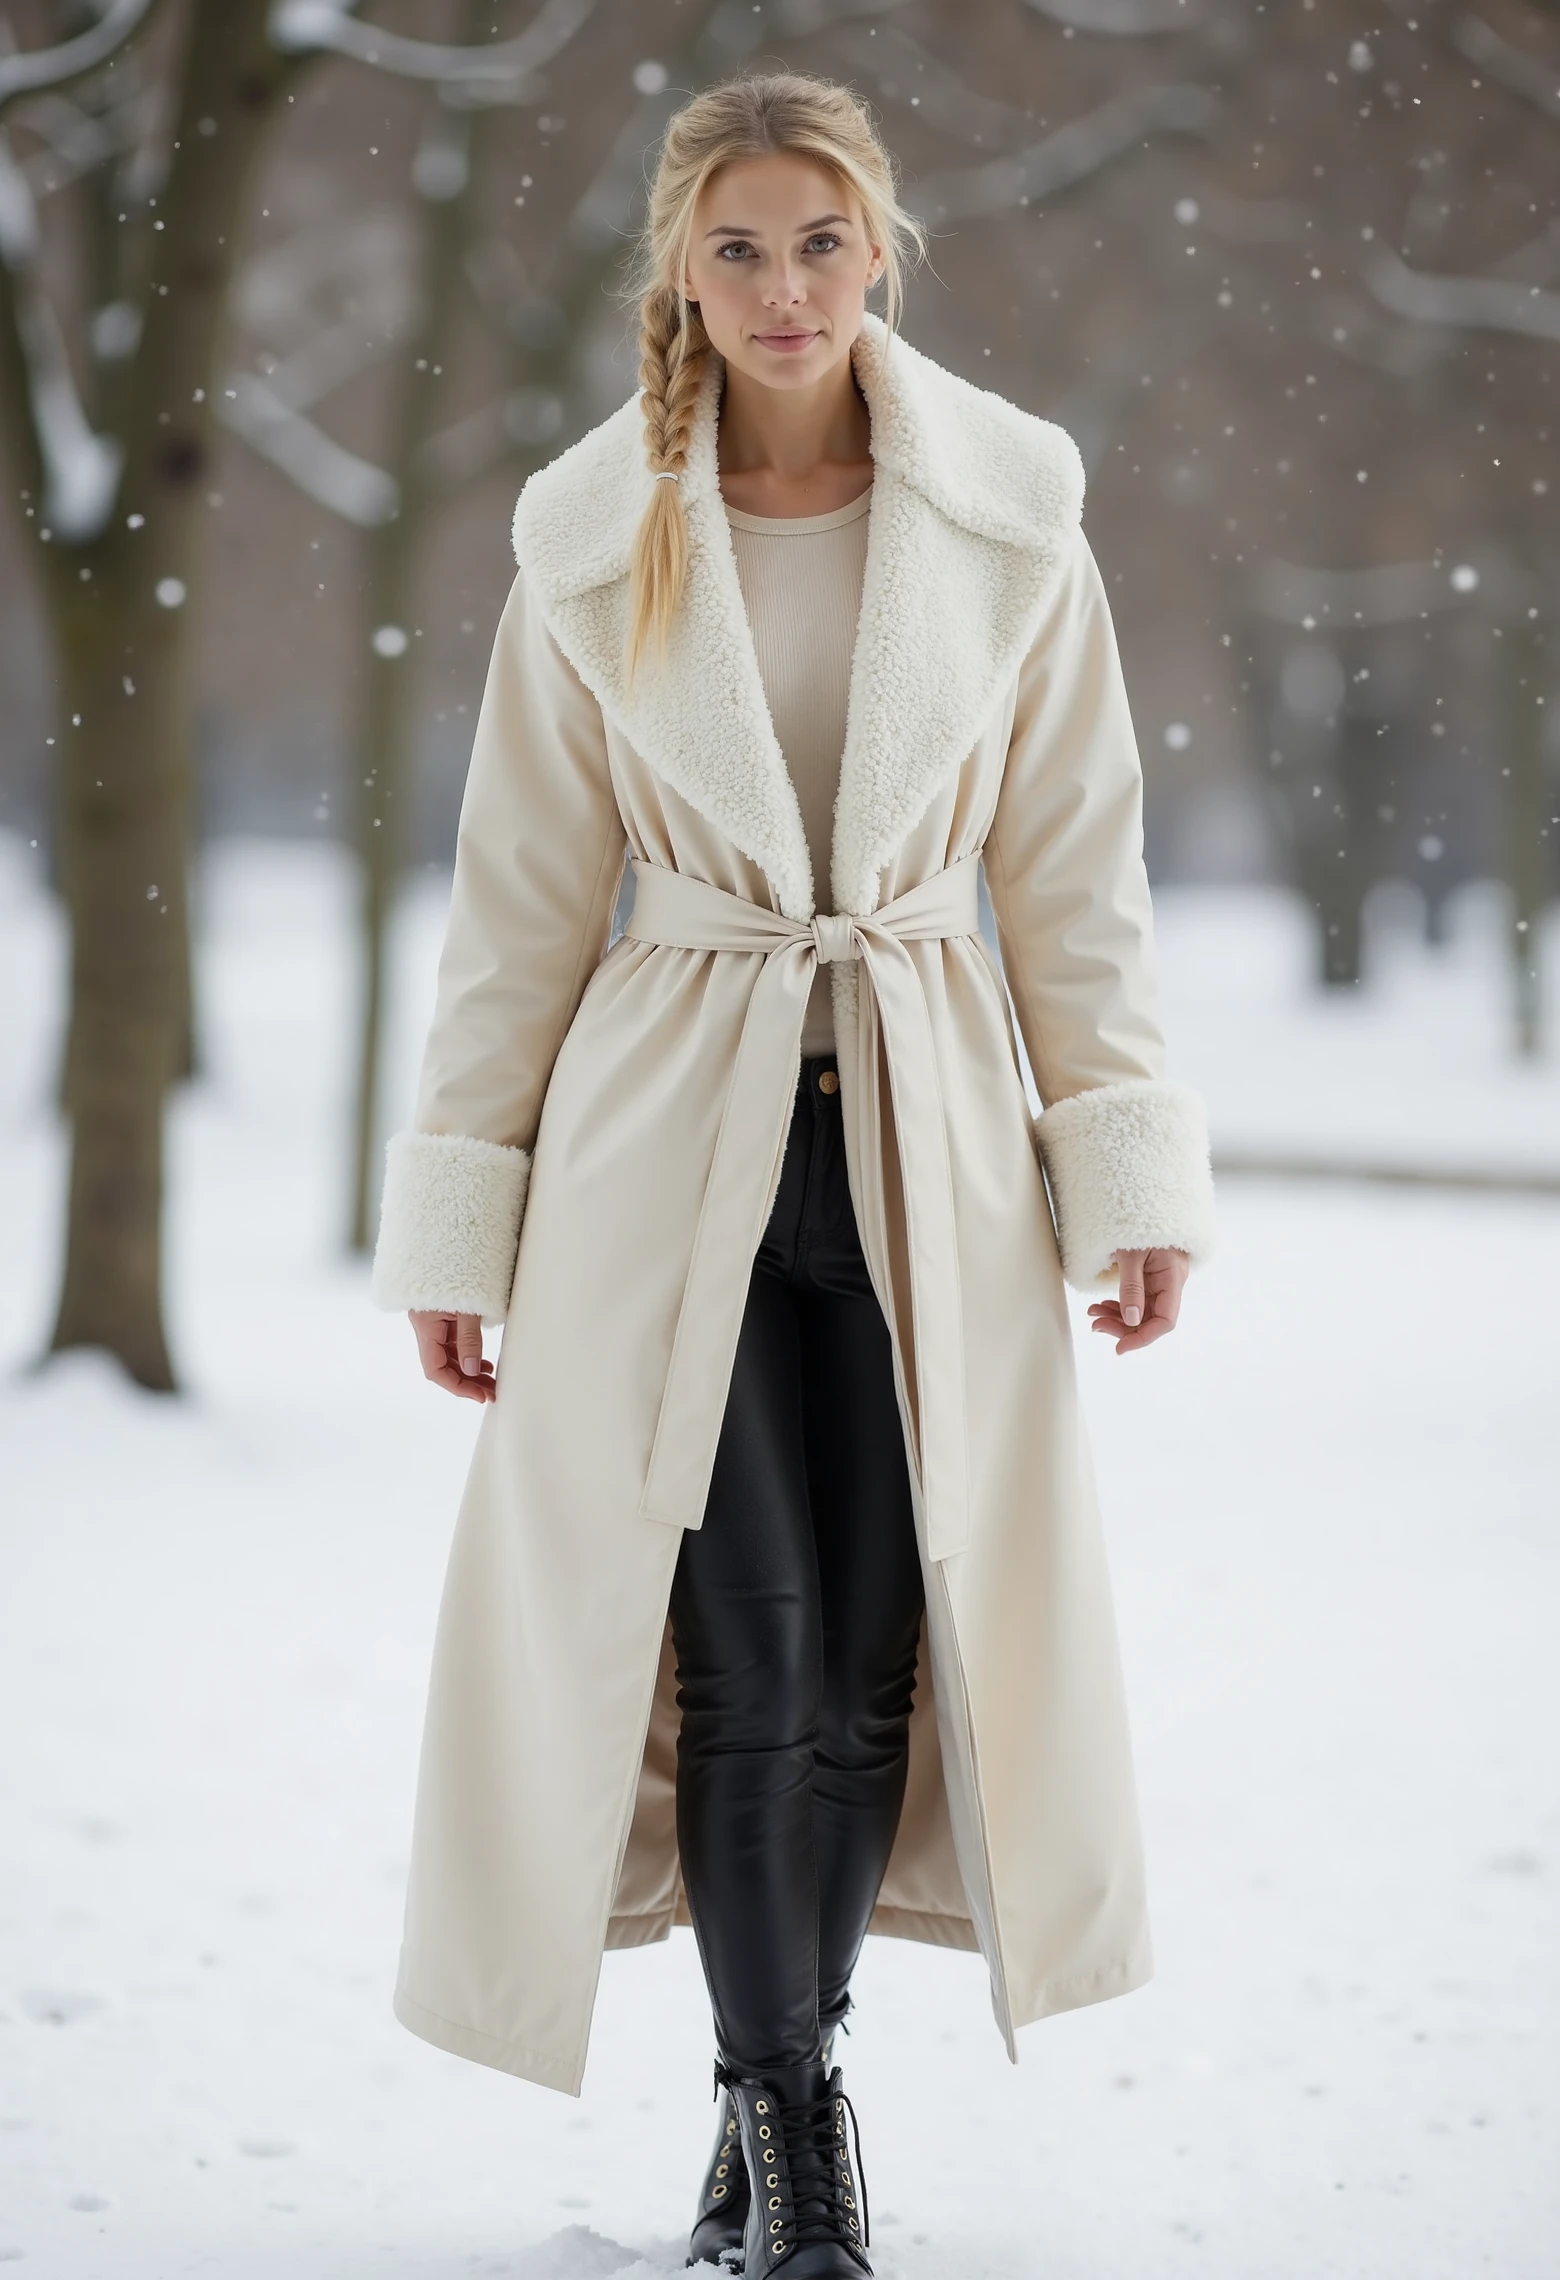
539, 855
1125, 1151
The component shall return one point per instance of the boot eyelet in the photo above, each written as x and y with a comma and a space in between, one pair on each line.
853, 2224
719, 2193
777, 2248
776, 2224
771, 2182
721, 2168
760, 2107
774, 2200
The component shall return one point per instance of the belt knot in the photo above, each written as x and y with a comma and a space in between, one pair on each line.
834, 937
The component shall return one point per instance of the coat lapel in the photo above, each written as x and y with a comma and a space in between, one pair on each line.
973, 505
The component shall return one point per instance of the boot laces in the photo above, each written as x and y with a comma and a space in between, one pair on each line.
811, 2133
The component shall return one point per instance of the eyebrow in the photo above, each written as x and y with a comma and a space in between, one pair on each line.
729, 229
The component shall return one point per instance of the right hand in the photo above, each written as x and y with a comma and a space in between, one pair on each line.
449, 1346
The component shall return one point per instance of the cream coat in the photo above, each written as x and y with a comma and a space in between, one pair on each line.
596, 1143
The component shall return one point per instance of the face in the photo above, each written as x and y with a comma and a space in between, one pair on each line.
780, 264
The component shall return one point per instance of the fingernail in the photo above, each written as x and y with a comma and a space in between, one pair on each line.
470, 1364
1132, 1316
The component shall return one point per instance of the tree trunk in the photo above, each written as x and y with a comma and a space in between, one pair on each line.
385, 725
123, 789
124, 643
1522, 670
386, 722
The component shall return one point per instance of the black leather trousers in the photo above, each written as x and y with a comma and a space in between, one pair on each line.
796, 1611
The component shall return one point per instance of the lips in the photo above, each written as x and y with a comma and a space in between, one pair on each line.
787, 343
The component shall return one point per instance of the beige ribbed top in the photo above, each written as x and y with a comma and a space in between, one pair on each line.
801, 582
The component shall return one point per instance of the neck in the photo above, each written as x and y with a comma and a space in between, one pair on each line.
790, 433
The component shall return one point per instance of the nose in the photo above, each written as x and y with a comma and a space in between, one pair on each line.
785, 288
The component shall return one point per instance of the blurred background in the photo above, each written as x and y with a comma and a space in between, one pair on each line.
293, 296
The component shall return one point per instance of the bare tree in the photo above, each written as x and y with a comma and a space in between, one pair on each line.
451, 265
111, 489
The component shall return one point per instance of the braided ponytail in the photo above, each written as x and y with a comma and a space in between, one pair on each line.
743, 118
673, 351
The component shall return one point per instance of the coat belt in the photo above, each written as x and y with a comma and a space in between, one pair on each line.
686, 913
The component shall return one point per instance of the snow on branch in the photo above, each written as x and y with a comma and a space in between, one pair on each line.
1483, 304
18, 214
1383, 593
799, 19
32, 72
1081, 148
301, 27
731, 31
904, 71
355, 266
80, 467
529, 417
75, 141
337, 478
1520, 74
353, 269
1122, 19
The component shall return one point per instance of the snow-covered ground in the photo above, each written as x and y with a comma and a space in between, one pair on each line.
1334, 1505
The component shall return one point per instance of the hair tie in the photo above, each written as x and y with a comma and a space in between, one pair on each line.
666, 476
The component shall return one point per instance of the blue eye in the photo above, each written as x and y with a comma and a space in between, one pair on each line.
733, 245
825, 238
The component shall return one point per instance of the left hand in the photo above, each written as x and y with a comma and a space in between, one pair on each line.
1148, 1299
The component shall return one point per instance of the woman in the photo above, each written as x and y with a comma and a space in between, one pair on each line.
777, 1602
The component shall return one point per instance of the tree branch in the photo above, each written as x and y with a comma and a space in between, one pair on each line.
1122, 19
325, 470
30, 74
1518, 73
1384, 593
76, 469
933, 87
1479, 304
316, 26
16, 417
1067, 157
272, 300
800, 18
526, 417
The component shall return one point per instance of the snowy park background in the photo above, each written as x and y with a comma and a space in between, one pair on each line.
293, 296
1333, 1511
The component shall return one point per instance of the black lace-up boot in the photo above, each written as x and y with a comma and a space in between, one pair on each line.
807, 2209
719, 2227
721, 2224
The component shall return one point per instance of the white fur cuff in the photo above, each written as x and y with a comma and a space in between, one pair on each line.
449, 1224
1128, 1168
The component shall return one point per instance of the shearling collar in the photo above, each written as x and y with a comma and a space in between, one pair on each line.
974, 503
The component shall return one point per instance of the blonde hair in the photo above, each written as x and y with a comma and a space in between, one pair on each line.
742, 118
